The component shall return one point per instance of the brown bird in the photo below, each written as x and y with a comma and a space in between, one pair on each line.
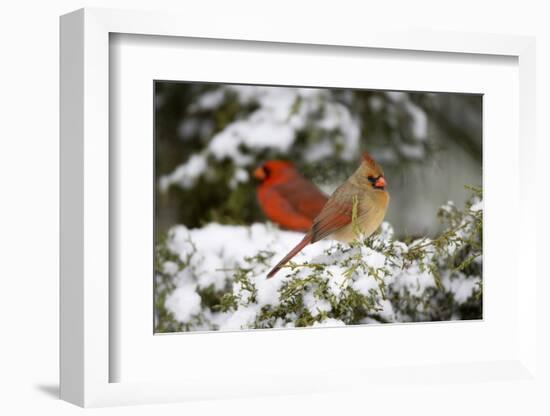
286, 197
367, 186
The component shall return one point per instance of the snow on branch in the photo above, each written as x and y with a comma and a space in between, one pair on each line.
214, 278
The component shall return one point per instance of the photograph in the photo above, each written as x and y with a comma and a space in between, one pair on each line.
305, 207
243, 208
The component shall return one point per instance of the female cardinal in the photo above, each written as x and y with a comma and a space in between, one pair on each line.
286, 197
367, 187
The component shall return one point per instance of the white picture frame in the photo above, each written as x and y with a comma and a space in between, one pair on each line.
86, 353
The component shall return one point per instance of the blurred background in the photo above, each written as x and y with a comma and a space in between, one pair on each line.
210, 137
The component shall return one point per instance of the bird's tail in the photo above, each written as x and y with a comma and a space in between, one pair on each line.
305, 241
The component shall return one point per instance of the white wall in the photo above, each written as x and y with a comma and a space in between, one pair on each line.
29, 183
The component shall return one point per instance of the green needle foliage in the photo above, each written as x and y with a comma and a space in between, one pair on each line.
372, 280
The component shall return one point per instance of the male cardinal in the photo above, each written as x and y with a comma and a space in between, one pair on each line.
366, 186
286, 197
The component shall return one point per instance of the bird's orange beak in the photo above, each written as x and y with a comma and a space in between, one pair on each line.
380, 182
259, 173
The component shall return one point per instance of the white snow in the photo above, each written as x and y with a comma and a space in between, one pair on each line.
316, 305
414, 280
420, 121
240, 319
216, 250
239, 176
170, 267
185, 174
211, 100
364, 284
319, 151
274, 125
387, 311
385, 231
211, 254
337, 279
396, 95
418, 116
268, 290
258, 131
184, 302
449, 207
374, 259
478, 206
329, 322
412, 151
460, 285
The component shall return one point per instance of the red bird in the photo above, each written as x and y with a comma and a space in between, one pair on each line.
286, 197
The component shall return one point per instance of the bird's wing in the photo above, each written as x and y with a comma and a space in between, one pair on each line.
303, 196
278, 209
336, 213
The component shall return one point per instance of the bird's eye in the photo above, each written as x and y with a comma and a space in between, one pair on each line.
266, 171
377, 183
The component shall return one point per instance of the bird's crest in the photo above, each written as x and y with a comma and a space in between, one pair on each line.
370, 161
372, 167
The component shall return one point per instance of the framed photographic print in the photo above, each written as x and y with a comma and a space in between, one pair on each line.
321, 202
244, 173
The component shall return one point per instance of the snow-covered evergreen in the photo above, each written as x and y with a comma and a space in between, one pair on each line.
214, 277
